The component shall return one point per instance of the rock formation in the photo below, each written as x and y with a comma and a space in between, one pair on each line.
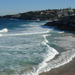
66, 24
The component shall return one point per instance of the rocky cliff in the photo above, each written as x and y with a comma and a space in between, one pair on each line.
66, 24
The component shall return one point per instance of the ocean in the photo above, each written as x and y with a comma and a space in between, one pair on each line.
29, 48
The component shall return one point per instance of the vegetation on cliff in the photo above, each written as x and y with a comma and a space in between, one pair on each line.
50, 14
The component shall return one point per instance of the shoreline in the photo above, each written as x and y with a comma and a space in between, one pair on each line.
65, 24
66, 69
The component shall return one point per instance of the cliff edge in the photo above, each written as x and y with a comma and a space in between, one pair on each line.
66, 24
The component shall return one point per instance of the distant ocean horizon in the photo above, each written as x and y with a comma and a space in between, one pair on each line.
29, 48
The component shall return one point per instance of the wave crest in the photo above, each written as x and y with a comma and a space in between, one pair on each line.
4, 30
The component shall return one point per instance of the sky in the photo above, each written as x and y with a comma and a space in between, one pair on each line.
20, 6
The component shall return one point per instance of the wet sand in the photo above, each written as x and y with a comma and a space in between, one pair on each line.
67, 69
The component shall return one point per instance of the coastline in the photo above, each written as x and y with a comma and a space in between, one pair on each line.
66, 69
65, 24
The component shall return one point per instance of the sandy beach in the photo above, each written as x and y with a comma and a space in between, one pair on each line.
67, 69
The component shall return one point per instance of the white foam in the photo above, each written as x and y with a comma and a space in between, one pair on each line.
60, 32
4, 30
63, 59
25, 33
14, 19
28, 25
51, 54
46, 41
67, 42
1, 35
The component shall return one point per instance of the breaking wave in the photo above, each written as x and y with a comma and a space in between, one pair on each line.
24, 33
64, 57
4, 30
51, 53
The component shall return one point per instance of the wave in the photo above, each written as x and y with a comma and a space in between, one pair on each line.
34, 24
51, 52
24, 33
14, 19
28, 25
4, 30
61, 32
65, 57
1, 35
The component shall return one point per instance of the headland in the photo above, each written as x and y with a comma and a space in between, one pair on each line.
42, 15
65, 24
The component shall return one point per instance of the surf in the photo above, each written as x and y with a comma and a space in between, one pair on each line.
51, 53
23, 33
5, 30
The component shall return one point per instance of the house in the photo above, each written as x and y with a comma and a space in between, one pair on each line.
59, 13
65, 13
41, 13
1, 16
71, 10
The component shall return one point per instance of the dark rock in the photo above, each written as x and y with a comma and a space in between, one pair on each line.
65, 25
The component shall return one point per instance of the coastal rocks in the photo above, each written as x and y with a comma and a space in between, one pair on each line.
65, 25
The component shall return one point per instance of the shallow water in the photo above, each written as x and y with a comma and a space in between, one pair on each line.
26, 46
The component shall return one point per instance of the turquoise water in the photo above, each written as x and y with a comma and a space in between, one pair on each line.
26, 46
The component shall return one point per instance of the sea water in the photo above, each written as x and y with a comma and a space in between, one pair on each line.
29, 48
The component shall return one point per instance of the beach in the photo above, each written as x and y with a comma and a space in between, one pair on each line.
66, 69
29, 48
